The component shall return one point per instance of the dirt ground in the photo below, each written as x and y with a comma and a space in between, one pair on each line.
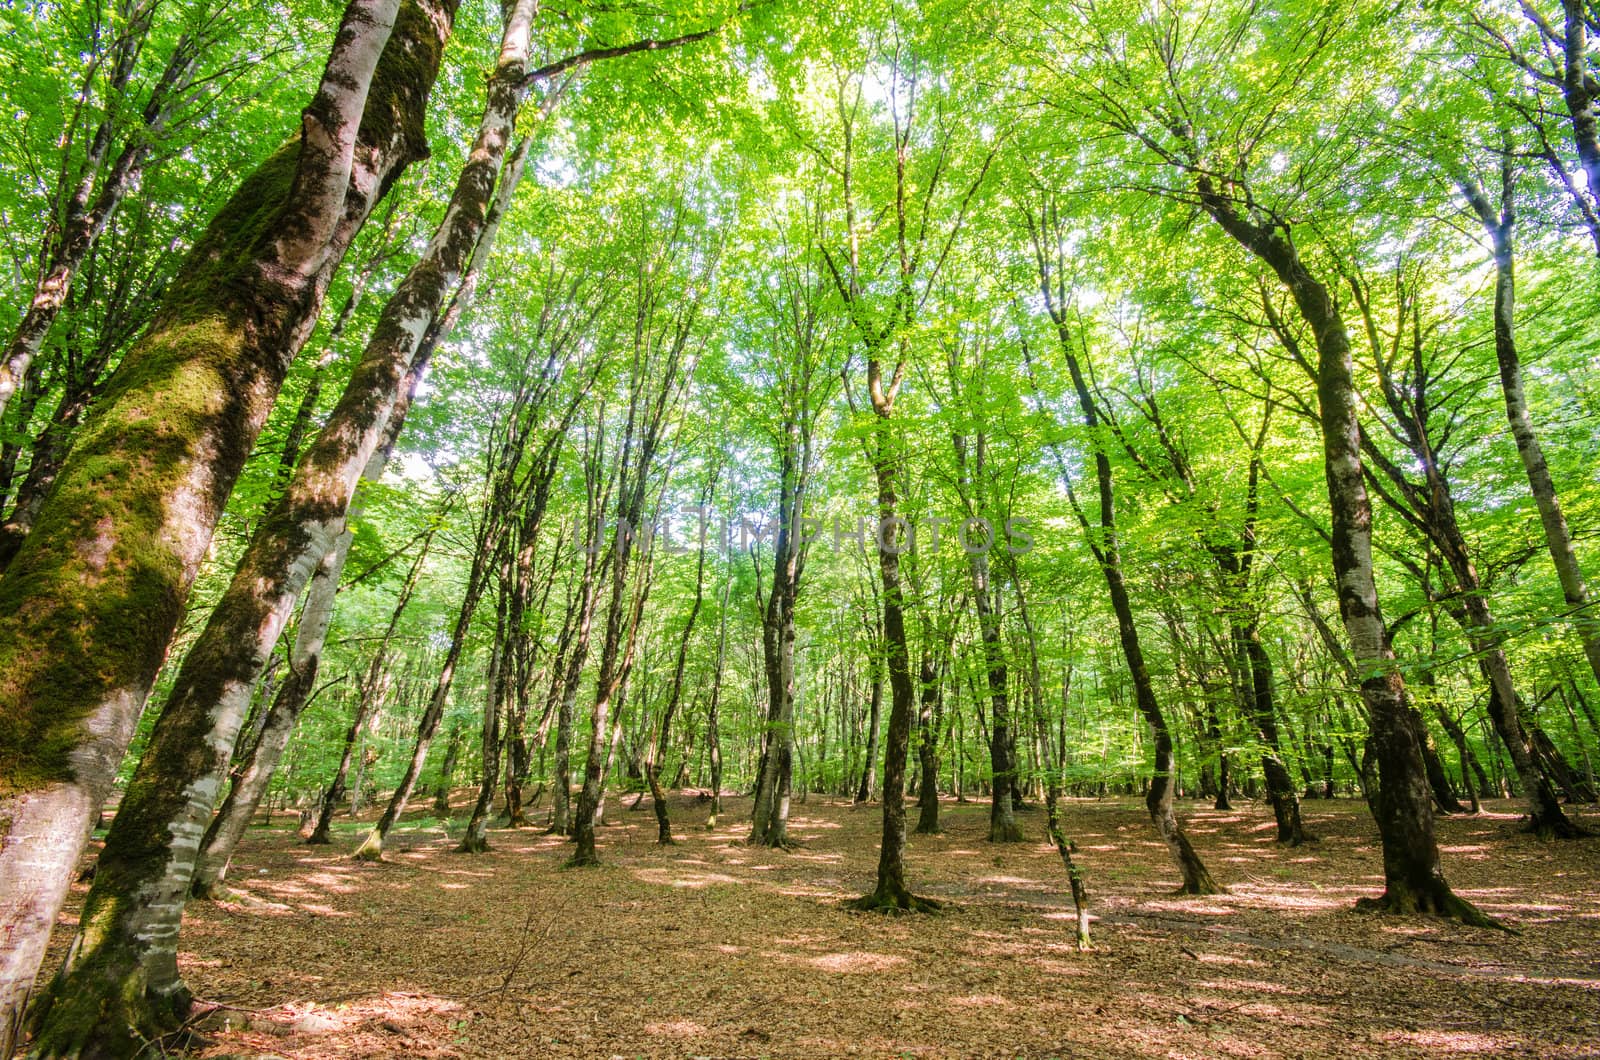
711, 948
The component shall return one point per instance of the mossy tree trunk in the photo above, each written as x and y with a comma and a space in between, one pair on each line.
97, 588
233, 818
231, 821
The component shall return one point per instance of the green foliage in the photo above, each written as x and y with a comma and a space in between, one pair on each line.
754, 177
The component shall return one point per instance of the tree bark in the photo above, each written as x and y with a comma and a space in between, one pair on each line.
475, 839
1414, 879
713, 729
96, 590
931, 679
1500, 226
869, 765
485, 551
370, 697
230, 822
244, 796
652, 768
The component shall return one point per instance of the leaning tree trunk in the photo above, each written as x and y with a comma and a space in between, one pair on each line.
1196, 879
219, 674
95, 592
1104, 545
1414, 880
486, 548
1557, 535
229, 825
231, 821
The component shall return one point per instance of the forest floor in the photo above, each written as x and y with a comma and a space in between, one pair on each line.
711, 948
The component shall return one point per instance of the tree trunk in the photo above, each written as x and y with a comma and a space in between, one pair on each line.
1558, 537
869, 766
713, 731
1003, 827
891, 892
373, 691
932, 672
229, 825
658, 754
230, 822
1104, 544
103, 578
483, 560
447, 772
770, 820
475, 840
1414, 879
1261, 696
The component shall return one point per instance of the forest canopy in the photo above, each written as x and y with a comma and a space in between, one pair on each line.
465, 413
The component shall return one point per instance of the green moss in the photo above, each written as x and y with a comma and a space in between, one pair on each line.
88, 604
397, 101
219, 269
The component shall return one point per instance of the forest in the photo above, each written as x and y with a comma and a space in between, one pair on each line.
744, 528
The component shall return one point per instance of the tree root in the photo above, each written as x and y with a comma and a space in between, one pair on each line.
1197, 890
1441, 902
1558, 826
1006, 833
896, 902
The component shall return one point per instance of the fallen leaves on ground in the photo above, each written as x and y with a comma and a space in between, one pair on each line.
711, 948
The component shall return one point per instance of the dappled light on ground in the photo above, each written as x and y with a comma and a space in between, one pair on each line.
714, 948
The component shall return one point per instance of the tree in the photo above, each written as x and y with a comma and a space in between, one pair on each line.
98, 587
